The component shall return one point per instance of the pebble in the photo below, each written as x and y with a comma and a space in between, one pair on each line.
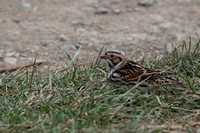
16, 20
93, 32
17, 33
198, 129
129, 9
180, 36
87, 23
62, 37
159, 48
26, 4
157, 18
146, 2
10, 60
68, 47
165, 25
181, 1
130, 43
10, 53
150, 38
23, 55
80, 30
116, 11
45, 42
138, 36
39, 19
83, 42
2, 21
186, 28
128, 38
102, 10
17, 54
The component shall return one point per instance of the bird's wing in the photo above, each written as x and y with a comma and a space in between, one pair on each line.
134, 71
131, 71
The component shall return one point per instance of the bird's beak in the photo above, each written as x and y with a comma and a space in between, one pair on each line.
103, 57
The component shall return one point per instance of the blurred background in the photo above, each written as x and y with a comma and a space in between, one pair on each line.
50, 28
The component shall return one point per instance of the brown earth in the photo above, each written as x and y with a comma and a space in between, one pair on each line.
50, 28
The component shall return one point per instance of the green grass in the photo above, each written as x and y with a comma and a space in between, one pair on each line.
78, 99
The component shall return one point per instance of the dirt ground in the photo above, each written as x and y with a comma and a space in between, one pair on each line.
50, 28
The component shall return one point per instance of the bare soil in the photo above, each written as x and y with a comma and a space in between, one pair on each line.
31, 28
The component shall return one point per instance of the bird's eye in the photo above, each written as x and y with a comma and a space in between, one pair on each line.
112, 56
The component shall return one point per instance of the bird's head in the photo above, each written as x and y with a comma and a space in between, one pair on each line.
114, 58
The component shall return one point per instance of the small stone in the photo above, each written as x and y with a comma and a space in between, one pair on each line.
75, 22
67, 48
93, 33
138, 36
40, 19
157, 18
62, 37
130, 43
186, 29
23, 55
129, 9
83, 42
198, 129
180, 36
10, 53
2, 21
80, 30
165, 25
150, 38
102, 10
10, 60
16, 54
45, 53
87, 23
33, 50
98, 49
181, 1
157, 51
45, 42
127, 43
159, 48
26, 4
16, 20
128, 38
17, 33
116, 11
146, 2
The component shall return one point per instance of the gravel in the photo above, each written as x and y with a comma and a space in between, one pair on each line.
62, 37
86, 23
68, 47
16, 20
26, 4
83, 42
102, 10
146, 2
10, 60
116, 11
45, 42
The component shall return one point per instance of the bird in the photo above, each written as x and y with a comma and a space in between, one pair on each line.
122, 72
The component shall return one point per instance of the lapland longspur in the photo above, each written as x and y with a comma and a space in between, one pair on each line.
124, 72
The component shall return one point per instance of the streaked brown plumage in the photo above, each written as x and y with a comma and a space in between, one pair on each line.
123, 72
